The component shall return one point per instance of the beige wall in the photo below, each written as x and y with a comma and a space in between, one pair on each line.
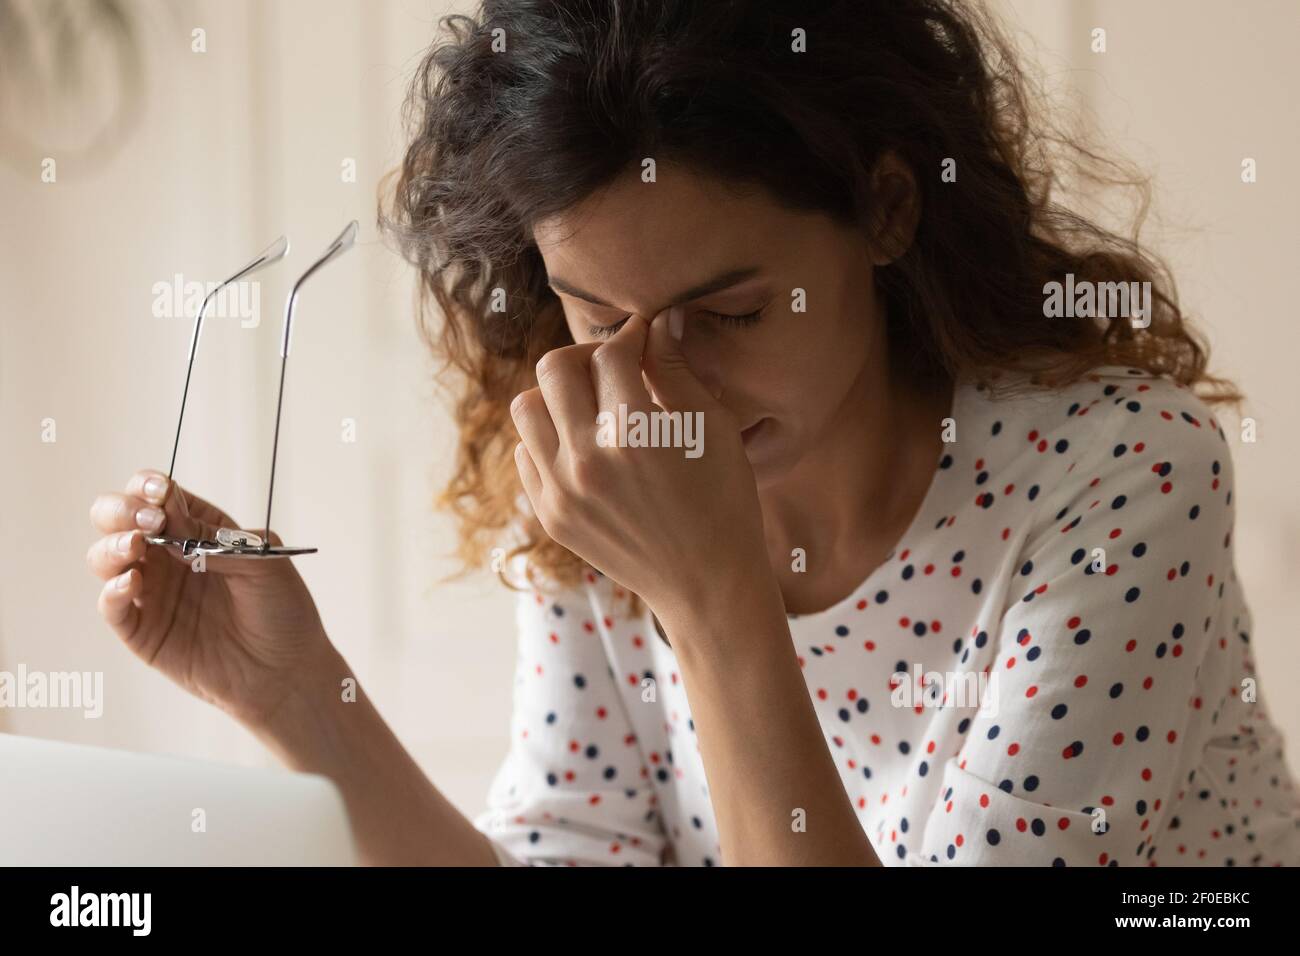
247, 140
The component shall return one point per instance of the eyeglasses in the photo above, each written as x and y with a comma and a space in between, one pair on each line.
233, 541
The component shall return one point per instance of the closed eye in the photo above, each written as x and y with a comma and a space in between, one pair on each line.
749, 318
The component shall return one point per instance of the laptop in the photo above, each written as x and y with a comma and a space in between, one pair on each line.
67, 804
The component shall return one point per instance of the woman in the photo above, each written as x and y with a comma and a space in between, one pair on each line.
861, 499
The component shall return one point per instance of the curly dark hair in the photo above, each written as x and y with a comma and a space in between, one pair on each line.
530, 106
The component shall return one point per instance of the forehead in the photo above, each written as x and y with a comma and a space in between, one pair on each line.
633, 240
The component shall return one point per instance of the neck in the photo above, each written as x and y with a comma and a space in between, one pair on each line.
854, 494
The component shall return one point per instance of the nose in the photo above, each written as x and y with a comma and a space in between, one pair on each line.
705, 358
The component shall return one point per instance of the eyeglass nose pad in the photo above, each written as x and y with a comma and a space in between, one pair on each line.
236, 538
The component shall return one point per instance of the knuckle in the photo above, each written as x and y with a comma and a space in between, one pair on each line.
106, 592
521, 403
557, 515
588, 473
548, 366
106, 511
605, 357
668, 364
552, 367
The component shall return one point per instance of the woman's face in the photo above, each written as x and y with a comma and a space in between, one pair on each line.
781, 316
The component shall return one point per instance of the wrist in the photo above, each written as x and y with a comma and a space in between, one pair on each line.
707, 615
298, 724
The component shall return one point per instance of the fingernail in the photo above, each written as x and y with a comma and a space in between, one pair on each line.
124, 541
122, 581
676, 322
149, 518
155, 489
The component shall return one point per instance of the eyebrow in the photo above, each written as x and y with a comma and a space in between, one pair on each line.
724, 281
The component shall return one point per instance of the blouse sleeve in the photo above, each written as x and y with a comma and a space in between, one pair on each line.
573, 788
1098, 663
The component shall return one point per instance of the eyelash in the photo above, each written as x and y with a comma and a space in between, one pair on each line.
605, 331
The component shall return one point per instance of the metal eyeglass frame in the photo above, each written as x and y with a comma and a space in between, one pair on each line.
234, 542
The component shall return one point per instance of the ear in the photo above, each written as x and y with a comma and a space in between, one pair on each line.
897, 208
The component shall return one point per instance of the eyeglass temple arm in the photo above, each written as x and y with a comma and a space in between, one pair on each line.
346, 239
271, 254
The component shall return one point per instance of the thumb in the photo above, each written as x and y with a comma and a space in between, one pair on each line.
674, 384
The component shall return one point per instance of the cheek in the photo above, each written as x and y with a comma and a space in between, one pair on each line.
802, 364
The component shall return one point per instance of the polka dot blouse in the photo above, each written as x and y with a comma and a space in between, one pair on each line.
1053, 668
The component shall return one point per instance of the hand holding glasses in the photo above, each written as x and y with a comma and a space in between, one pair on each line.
232, 541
